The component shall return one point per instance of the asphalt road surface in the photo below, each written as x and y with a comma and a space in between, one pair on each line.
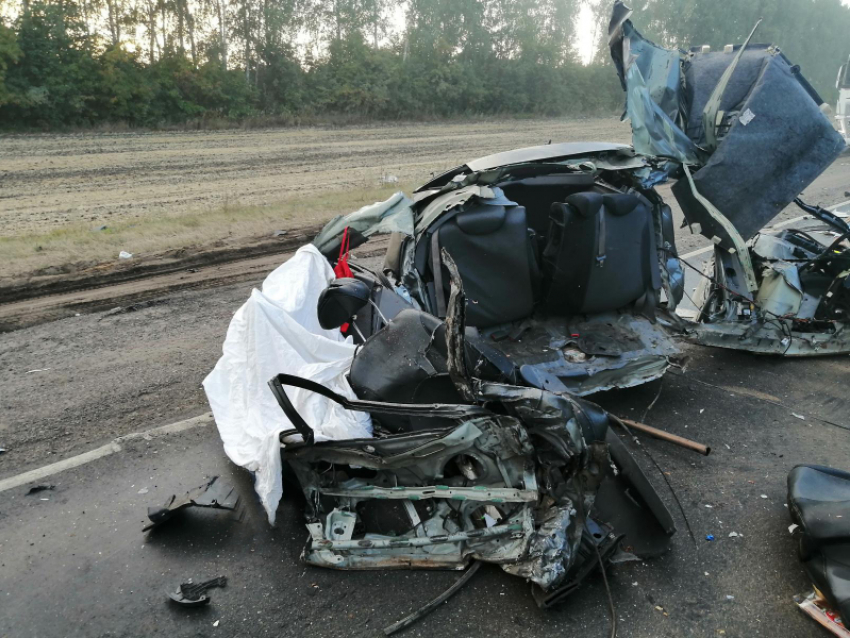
74, 561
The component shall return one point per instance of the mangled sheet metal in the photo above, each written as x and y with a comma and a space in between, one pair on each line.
801, 306
507, 475
391, 216
742, 131
745, 118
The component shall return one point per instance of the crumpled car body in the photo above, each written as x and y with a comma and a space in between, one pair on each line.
742, 131
507, 474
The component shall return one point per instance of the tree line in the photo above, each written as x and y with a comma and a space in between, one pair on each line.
148, 63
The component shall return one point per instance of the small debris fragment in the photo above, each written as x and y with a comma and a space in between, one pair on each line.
125, 255
389, 179
729, 598
215, 624
38, 370
144, 490
735, 535
746, 117
799, 416
2, 450
709, 537
711, 507
791, 528
195, 594
764, 495
214, 494
280, 233
35, 489
701, 410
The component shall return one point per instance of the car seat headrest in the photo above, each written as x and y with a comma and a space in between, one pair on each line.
587, 204
483, 220
341, 300
620, 205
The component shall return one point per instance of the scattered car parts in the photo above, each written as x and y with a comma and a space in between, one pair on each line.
215, 494
426, 609
516, 284
195, 594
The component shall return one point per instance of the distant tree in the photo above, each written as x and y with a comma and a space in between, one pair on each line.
9, 55
54, 79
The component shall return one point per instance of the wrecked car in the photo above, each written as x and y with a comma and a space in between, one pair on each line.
431, 410
518, 476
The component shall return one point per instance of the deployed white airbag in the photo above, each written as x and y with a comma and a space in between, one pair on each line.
277, 330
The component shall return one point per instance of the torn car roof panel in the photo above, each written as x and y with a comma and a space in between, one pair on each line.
745, 118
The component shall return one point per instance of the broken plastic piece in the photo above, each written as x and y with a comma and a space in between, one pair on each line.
195, 594
215, 494
35, 489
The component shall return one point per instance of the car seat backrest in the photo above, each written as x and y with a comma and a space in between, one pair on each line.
490, 245
600, 254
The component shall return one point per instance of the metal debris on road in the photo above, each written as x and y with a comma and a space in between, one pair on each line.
431, 606
195, 594
214, 494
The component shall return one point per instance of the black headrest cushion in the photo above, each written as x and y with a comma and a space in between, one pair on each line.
341, 300
620, 205
481, 220
587, 204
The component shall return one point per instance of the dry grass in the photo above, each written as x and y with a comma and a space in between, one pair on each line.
74, 246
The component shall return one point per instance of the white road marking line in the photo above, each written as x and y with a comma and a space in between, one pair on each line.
105, 450
699, 251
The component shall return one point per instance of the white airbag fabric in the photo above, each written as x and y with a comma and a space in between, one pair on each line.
277, 330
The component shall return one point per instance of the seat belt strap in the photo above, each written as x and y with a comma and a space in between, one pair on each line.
600, 239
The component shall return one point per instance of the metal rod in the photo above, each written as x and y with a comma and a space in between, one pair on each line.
427, 609
664, 436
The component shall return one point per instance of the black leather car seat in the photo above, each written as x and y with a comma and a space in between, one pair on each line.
405, 362
600, 254
819, 502
491, 246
